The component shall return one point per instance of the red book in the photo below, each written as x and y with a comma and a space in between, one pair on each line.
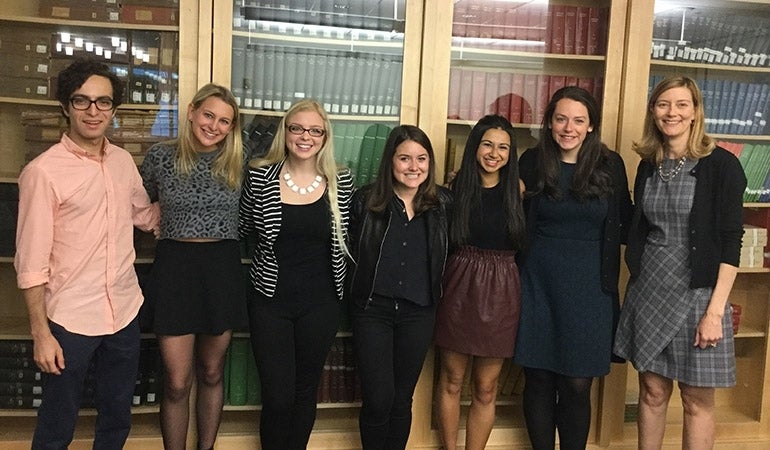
458, 18
587, 84
557, 29
529, 98
511, 22
504, 100
478, 94
453, 109
570, 81
543, 90
594, 31
498, 20
533, 21
492, 93
604, 27
517, 94
466, 84
548, 32
598, 90
473, 19
555, 83
486, 20
581, 30
570, 25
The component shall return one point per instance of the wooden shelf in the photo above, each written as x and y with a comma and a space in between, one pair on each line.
87, 24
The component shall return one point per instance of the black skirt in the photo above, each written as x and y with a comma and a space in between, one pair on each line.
197, 288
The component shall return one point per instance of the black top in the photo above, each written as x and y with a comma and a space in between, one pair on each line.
487, 221
303, 249
403, 268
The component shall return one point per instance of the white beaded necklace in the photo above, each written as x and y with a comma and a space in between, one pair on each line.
302, 190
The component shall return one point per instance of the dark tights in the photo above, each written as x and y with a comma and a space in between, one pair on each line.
556, 402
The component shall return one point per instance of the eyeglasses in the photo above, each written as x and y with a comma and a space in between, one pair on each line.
298, 130
82, 103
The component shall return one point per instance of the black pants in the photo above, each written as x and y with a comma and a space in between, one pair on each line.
290, 339
116, 359
391, 339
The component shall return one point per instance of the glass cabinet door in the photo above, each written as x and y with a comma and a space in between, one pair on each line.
509, 57
347, 55
139, 43
724, 47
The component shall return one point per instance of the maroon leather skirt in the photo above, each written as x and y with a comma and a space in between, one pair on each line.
479, 312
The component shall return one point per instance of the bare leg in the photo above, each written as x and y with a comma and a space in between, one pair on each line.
654, 394
450, 384
210, 363
481, 416
698, 432
177, 354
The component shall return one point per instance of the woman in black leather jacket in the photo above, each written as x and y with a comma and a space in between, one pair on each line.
398, 240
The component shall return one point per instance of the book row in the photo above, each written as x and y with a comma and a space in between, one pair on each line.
713, 38
357, 145
732, 107
272, 77
755, 160
339, 382
534, 26
163, 12
145, 61
382, 15
22, 384
134, 130
520, 97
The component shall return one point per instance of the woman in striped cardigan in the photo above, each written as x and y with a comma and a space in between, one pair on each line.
296, 201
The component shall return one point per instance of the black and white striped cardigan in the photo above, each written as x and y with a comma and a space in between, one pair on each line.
260, 212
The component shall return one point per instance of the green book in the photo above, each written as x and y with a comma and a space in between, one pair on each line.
253, 389
239, 355
368, 148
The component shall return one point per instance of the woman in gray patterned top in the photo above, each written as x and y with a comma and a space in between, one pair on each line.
683, 251
196, 276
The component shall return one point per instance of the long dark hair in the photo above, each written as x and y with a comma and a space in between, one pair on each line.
467, 185
382, 188
592, 178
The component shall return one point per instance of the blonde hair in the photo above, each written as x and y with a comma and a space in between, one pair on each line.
325, 163
228, 165
652, 146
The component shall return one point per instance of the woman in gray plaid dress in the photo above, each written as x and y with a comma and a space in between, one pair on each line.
683, 252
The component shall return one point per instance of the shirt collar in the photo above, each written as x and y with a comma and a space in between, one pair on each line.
74, 148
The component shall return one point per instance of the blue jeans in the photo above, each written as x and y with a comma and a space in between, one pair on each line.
391, 339
116, 360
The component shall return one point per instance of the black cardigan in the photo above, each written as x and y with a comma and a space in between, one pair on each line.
619, 210
716, 218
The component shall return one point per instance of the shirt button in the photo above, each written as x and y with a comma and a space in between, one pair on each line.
403, 263
400, 283
403, 244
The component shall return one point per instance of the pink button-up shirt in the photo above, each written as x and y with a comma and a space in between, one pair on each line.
75, 235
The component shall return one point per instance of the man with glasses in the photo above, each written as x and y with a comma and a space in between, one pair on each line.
78, 204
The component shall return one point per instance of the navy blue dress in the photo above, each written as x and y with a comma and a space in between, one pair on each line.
566, 318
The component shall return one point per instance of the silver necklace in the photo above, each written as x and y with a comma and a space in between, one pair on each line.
669, 175
302, 190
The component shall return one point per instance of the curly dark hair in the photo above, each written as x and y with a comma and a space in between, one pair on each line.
73, 76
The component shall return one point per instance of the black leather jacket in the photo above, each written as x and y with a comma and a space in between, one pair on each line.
367, 232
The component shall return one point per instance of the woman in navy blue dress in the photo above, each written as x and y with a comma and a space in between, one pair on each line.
577, 204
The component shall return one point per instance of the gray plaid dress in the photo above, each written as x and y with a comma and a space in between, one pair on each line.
661, 313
